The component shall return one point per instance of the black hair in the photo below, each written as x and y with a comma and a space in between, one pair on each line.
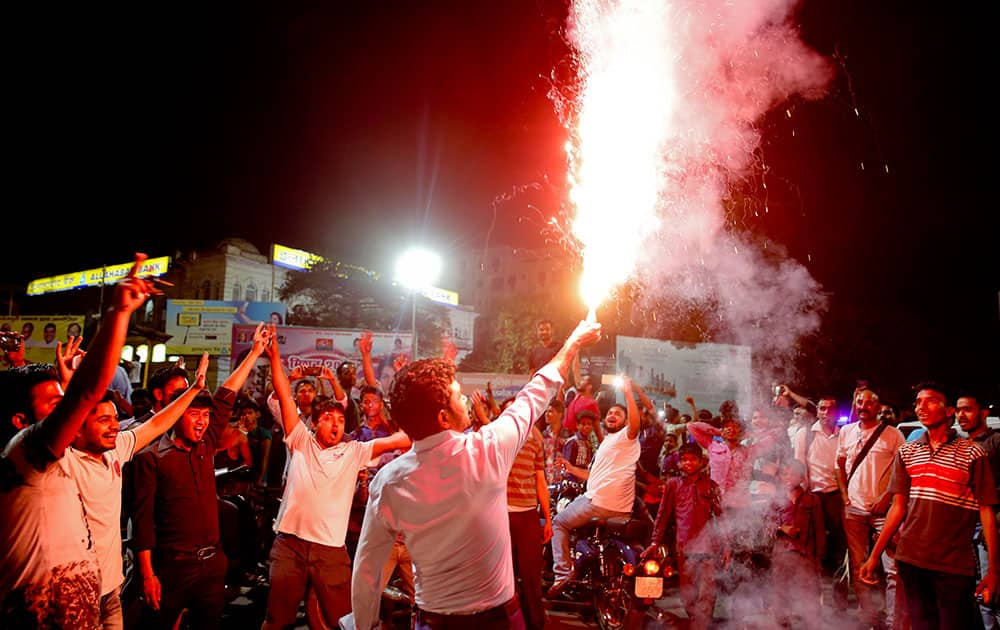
324, 406
165, 374
690, 448
937, 387
419, 392
558, 405
370, 389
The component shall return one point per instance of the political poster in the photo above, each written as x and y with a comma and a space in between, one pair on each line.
41, 333
197, 326
326, 347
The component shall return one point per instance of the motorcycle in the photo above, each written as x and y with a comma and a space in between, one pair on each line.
609, 574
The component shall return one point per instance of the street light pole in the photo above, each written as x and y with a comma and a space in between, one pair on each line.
416, 269
413, 325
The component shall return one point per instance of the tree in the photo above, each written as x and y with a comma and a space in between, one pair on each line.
336, 295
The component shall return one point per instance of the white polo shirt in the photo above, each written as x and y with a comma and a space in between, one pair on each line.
45, 544
320, 487
99, 480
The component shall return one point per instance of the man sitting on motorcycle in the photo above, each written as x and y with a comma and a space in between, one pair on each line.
610, 485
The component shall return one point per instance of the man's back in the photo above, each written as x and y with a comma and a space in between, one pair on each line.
447, 495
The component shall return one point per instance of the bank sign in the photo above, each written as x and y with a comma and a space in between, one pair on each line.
109, 274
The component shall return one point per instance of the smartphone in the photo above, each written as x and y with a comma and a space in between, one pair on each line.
312, 370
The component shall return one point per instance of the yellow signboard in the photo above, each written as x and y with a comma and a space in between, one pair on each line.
96, 277
293, 258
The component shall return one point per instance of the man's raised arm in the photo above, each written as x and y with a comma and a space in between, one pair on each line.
97, 369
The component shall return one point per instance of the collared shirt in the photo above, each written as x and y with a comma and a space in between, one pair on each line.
871, 478
448, 497
49, 574
553, 444
317, 498
691, 502
100, 482
176, 507
945, 488
578, 452
821, 459
805, 515
611, 484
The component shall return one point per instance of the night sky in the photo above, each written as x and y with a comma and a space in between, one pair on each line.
353, 130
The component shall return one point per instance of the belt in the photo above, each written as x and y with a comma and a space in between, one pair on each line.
203, 553
440, 620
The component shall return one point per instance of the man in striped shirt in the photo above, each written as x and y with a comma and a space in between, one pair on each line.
940, 484
526, 490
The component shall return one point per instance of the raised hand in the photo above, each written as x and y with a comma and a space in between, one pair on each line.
201, 372
366, 343
131, 293
65, 356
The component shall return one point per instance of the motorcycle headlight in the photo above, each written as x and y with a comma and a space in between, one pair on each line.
651, 567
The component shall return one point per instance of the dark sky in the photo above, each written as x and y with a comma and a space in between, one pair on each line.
354, 129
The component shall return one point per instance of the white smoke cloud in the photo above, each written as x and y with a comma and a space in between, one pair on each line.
714, 68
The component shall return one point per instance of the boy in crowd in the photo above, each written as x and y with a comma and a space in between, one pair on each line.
690, 504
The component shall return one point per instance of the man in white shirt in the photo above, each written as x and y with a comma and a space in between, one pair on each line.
49, 574
448, 498
309, 550
610, 486
818, 447
867, 499
95, 462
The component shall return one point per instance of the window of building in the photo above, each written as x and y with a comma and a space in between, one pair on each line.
265, 295
251, 295
237, 292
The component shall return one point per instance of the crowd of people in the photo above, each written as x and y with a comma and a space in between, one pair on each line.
459, 501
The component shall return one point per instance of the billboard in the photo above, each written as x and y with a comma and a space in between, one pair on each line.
197, 326
301, 345
709, 372
42, 332
108, 274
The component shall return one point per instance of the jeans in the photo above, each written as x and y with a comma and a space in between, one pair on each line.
861, 530
297, 564
574, 515
111, 611
991, 617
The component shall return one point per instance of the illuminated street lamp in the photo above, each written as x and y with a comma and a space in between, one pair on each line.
417, 269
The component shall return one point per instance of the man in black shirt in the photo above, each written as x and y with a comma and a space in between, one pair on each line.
179, 553
546, 348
